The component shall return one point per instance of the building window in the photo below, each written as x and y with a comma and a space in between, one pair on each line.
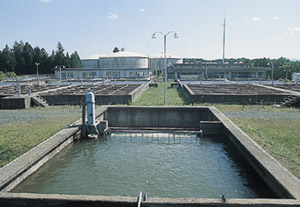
132, 74
140, 74
85, 74
70, 75
113, 74
92, 74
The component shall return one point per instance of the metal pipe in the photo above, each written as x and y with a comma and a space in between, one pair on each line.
139, 201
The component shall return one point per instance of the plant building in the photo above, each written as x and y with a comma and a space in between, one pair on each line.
204, 70
122, 64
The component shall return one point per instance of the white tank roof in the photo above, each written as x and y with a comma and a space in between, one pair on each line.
94, 57
162, 56
125, 54
180, 61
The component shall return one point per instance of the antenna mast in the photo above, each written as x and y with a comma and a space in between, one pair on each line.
223, 61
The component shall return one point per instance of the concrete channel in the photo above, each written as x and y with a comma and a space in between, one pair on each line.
71, 94
235, 93
208, 119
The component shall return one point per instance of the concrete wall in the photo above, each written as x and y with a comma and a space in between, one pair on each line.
233, 98
15, 102
138, 91
66, 99
90, 63
124, 62
278, 178
77, 99
181, 117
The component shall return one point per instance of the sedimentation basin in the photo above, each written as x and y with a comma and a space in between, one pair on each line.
208, 119
234, 94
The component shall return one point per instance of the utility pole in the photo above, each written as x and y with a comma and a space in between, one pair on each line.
223, 61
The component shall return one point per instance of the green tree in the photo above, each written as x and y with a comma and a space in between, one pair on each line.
116, 49
59, 57
67, 61
7, 60
75, 60
2, 75
290, 66
19, 58
29, 67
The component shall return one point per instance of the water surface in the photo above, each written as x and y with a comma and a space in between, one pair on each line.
163, 165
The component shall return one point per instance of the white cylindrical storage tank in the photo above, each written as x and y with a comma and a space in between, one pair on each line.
90, 105
157, 61
92, 61
124, 60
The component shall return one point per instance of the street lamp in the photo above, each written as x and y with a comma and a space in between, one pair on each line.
37, 73
165, 57
286, 75
272, 75
59, 67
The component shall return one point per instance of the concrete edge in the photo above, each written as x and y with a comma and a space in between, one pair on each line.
285, 178
289, 92
188, 89
18, 169
139, 90
27, 199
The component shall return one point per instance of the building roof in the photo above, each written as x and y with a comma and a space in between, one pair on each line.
162, 56
94, 57
125, 54
117, 54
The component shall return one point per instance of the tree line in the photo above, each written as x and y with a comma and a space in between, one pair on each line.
21, 59
281, 65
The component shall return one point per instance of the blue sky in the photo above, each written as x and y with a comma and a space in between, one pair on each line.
254, 28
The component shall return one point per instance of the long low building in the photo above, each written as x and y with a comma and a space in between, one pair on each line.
117, 65
204, 70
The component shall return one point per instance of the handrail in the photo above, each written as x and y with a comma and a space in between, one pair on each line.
140, 198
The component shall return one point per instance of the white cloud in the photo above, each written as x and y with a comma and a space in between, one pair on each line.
292, 30
256, 19
275, 17
45, 1
142, 10
112, 16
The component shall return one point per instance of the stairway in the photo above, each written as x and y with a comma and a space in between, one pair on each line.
37, 99
290, 101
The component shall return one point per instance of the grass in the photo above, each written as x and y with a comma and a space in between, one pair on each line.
155, 97
21, 130
279, 137
276, 130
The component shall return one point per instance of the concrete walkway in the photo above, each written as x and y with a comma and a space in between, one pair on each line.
294, 93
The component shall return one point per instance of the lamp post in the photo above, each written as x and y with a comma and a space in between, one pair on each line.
286, 75
165, 57
37, 73
59, 67
272, 74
